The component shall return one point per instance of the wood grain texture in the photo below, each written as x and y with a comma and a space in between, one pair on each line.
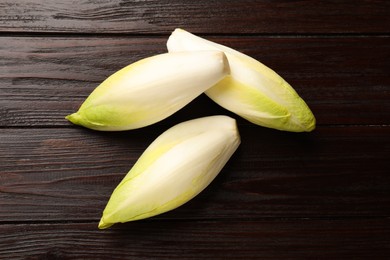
343, 80
69, 174
266, 239
319, 195
237, 17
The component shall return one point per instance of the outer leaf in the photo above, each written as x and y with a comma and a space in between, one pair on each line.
253, 90
150, 90
177, 166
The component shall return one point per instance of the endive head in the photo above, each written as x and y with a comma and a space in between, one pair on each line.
252, 90
177, 166
150, 90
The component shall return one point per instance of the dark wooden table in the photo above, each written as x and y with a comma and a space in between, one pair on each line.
319, 195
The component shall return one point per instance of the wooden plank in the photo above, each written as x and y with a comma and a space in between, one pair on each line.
344, 80
266, 239
151, 16
69, 174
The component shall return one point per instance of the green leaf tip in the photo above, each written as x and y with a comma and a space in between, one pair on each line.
104, 225
74, 118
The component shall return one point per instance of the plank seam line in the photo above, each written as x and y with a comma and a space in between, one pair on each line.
160, 35
312, 218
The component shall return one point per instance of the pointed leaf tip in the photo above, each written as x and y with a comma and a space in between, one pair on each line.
74, 118
103, 225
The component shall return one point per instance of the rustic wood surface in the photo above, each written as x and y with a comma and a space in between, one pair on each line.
201, 16
318, 195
